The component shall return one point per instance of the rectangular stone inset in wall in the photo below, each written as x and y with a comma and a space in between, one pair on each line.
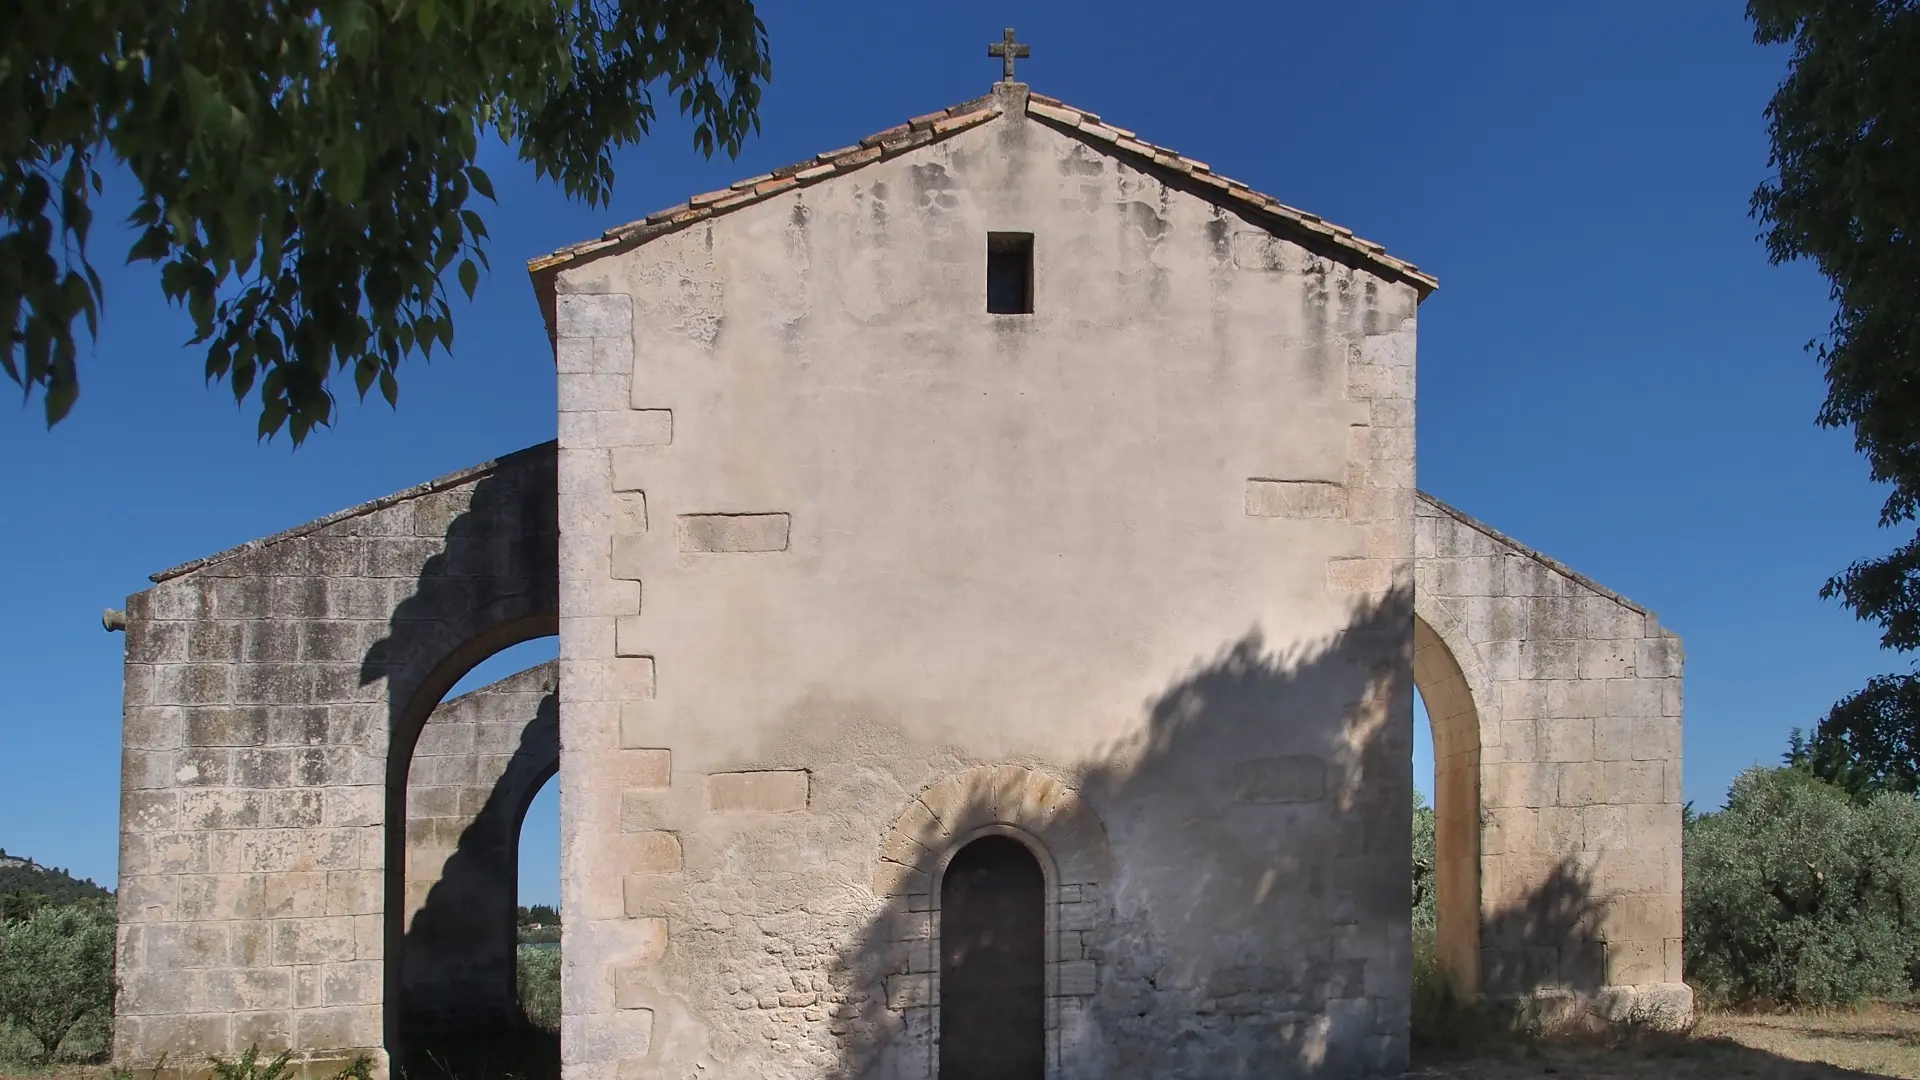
648, 768
733, 532
1280, 780
656, 853
1296, 499
762, 791
642, 427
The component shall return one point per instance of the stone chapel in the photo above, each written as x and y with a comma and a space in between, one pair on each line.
990, 586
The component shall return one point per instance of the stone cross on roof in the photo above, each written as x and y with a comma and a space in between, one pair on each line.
1008, 51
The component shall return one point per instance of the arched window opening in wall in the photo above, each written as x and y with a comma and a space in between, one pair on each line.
481, 757
1448, 726
993, 963
537, 939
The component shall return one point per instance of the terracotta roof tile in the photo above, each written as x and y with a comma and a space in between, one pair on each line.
879, 137
774, 186
931, 127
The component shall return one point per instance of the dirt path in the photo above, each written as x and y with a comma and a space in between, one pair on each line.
1883, 1041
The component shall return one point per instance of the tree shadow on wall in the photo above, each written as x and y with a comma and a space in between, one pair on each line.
462, 1015
1254, 914
1548, 939
476, 572
1254, 917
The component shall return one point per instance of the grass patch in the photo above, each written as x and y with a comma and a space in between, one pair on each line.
89, 1043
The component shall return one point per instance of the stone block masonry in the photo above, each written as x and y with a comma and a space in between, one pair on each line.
272, 694
1556, 713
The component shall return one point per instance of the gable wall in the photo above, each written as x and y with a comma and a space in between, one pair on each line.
264, 690
832, 535
1572, 742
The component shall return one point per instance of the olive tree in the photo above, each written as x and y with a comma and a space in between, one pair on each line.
56, 968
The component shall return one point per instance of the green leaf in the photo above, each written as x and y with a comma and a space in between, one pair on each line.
469, 277
478, 178
151, 247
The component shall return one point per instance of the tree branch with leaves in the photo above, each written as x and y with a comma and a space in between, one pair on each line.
1845, 131
306, 170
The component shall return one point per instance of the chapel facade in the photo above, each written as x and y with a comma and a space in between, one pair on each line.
990, 585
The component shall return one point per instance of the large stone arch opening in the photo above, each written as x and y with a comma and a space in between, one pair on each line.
476, 766
1456, 799
459, 849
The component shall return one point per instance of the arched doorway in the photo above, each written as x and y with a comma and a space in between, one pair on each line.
993, 963
1456, 803
472, 770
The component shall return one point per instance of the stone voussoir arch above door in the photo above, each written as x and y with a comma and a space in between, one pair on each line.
997, 798
1067, 841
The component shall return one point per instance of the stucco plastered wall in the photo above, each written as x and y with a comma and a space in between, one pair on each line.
833, 536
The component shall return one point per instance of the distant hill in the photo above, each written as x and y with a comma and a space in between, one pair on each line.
19, 875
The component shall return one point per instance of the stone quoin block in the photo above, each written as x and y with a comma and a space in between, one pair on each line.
655, 853
638, 429
647, 769
734, 532
593, 315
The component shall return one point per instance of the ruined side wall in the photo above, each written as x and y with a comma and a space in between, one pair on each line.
264, 690
480, 760
834, 536
1574, 719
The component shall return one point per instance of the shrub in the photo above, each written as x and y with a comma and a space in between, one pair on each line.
56, 968
1426, 911
249, 1067
538, 974
1797, 895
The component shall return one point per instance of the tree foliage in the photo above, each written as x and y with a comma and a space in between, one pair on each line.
56, 968
537, 977
1845, 132
22, 878
1426, 904
305, 168
1798, 894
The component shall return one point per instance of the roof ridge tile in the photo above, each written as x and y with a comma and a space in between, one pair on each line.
931, 127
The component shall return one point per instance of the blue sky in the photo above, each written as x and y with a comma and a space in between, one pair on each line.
1610, 371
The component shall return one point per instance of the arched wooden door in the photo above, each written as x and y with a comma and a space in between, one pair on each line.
993, 964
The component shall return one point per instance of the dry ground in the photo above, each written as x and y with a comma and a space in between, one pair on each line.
1883, 1040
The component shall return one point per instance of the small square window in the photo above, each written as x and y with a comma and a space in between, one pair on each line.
1010, 273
